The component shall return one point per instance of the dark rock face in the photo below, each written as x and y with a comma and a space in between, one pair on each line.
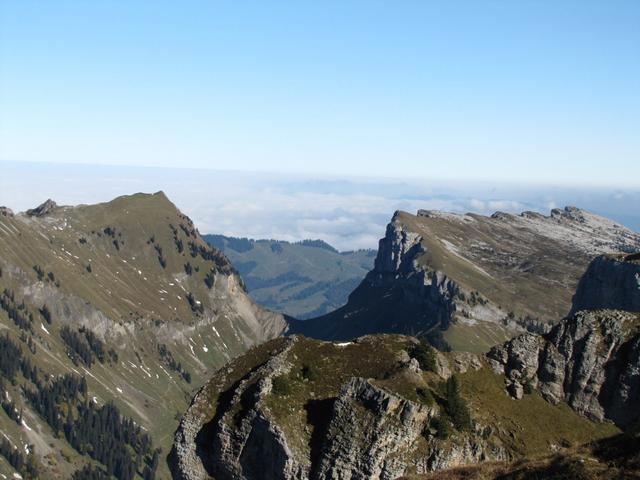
590, 360
611, 282
43, 209
364, 432
398, 295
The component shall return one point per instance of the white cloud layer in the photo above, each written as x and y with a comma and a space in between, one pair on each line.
347, 213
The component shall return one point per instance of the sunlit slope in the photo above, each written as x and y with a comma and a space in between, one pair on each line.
362, 409
136, 273
477, 279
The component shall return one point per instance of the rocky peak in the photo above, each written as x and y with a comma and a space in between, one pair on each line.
302, 409
43, 209
6, 212
397, 250
569, 213
399, 295
260, 419
473, 272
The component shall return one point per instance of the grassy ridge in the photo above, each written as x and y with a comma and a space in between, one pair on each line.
130, 282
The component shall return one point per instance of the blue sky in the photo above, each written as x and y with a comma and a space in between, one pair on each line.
534, 91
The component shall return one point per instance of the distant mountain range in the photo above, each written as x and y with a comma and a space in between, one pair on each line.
303, 279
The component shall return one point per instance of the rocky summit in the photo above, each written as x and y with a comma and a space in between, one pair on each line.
475, 280
120, 305
379, 407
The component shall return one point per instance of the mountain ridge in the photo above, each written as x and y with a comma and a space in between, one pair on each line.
465, 276
128, 295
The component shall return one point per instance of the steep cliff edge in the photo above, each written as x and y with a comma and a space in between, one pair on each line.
610, 282
479, 279
296, 408
591, 359
397, 296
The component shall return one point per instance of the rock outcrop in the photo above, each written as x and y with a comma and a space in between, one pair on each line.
43, 209
400, 294
240, 441
370, 432
591, 360
297, 408
6, 212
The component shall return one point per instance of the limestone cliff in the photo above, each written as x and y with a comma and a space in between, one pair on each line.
591, 359
479, 279
612, 282
297, 408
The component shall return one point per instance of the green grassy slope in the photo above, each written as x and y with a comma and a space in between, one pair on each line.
318, 370
303, 279
136, 272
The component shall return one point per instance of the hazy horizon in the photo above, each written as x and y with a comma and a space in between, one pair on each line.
345, 211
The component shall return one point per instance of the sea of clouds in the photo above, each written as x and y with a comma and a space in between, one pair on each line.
348, 213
